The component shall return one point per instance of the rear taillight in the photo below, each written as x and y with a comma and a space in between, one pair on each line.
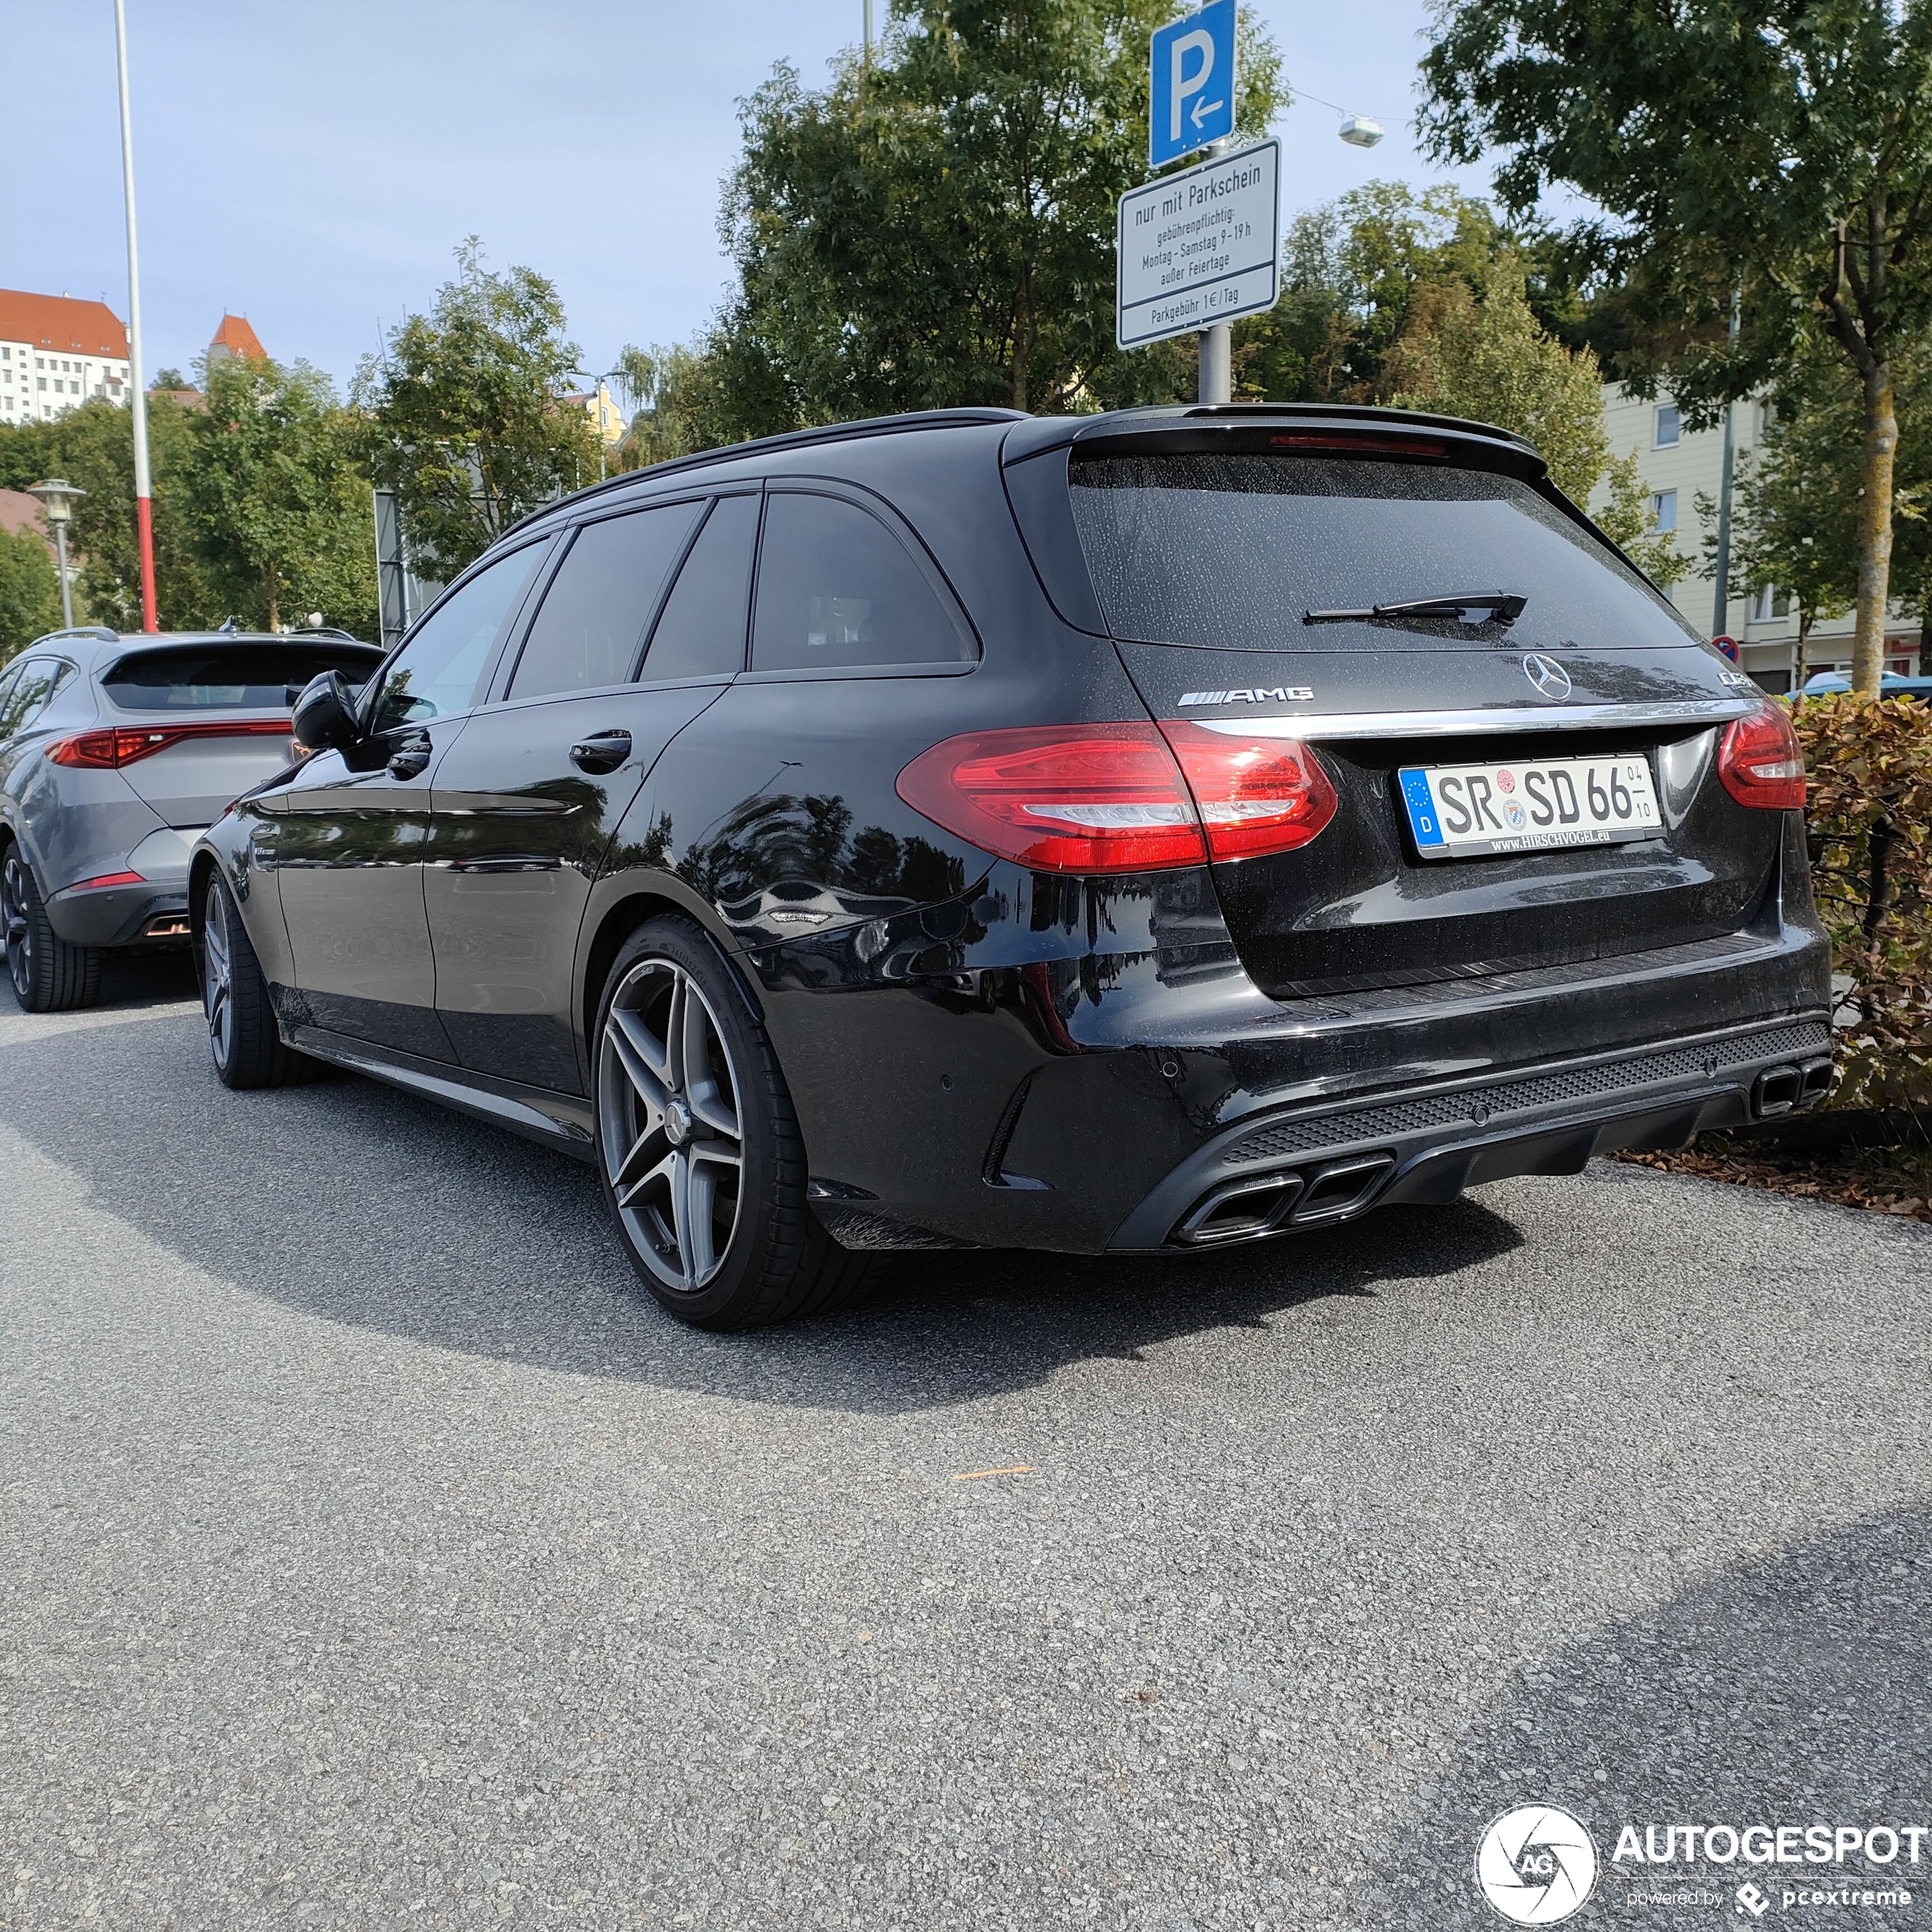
1761, 763
1100, 798
101, 879
1256, 795
107, 751
1112, 797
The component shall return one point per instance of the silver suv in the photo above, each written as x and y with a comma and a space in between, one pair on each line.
116, 753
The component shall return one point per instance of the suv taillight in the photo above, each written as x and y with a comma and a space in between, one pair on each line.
107, 751
1111, 797
1761, 763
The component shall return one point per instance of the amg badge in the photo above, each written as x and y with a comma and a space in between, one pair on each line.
1277, 694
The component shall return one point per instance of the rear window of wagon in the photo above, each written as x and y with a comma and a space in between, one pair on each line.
254, 676
1230, 550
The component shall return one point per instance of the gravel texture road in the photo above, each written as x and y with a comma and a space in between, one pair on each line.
373, 1554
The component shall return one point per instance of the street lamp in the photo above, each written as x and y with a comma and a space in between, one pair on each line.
600, 399
58, 499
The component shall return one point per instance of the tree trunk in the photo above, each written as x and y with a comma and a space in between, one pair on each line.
1875, 529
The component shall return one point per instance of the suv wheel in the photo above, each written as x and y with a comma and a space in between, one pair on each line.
703, 1163
242, 1034
49, 976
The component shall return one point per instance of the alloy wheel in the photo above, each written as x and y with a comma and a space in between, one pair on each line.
218, 978
20, 933
668, 1117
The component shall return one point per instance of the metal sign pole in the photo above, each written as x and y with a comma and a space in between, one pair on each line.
144, 505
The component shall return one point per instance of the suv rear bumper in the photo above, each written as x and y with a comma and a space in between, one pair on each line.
121, 915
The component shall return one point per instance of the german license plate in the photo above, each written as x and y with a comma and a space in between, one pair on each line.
1461, 810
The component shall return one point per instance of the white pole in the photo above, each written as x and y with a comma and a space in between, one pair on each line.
143, 509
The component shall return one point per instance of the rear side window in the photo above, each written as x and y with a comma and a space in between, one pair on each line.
702, 631
837, 587
591, 626
1231, 550
435, 672
30, 692
218, 677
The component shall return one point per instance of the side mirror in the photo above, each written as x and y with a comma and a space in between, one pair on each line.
324, 715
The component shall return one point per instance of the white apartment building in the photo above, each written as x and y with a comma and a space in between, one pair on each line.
1677, 464
56, 353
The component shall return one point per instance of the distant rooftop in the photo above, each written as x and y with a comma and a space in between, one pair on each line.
61, 323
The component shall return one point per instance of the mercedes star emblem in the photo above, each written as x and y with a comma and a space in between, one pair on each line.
1551, 680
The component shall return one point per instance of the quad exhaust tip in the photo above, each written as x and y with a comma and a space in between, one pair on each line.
1778, 1089
1263, 1204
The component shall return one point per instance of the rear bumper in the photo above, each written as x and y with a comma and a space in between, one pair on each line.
1308, 1167
121, 915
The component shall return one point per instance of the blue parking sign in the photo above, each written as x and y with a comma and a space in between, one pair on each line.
1193, 75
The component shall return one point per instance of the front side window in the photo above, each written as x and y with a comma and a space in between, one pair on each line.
437, 671
702, 631
837, 588
591, 625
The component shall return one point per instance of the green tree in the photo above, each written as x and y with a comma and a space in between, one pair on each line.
937, 227
461, 417
29, 591
93, 447
1781, 149
1492, 360
276, 506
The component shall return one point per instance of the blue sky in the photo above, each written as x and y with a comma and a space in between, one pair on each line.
312, 166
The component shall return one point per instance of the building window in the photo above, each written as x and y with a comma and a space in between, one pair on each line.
1769, 604
1670, 425
1663, 509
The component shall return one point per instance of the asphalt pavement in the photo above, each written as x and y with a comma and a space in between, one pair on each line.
373, 1554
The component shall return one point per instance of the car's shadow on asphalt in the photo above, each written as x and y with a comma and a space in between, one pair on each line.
1787, 1688
356, 1203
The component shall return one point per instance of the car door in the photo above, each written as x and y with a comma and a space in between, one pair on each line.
526, 801
347, 833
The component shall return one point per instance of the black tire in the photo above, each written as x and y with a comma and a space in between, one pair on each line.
242, 1037
49, 976
718, 1228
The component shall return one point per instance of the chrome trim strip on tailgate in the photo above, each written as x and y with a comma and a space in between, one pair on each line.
1316, 727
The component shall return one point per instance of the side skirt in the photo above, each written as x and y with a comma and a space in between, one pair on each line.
559, 1120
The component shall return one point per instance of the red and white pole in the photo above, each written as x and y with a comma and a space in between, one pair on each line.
144, 506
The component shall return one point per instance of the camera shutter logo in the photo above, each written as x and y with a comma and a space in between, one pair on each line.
1537, 1865
1549, 678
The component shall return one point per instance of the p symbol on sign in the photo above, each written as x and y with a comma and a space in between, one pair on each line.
1192, 82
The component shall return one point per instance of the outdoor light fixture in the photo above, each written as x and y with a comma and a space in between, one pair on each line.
1359, 131
57, 499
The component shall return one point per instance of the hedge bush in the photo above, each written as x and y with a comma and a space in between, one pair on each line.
1869, 773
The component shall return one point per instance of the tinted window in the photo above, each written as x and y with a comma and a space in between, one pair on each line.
702, 631
30, 691
437, 671
592, 623
208, 677
836, 587
1230, 550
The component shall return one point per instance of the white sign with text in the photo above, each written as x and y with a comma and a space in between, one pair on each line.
1199, 247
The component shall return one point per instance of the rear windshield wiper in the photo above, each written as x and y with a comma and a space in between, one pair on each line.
1478, 607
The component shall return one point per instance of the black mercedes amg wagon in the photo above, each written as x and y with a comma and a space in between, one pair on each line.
1150, 831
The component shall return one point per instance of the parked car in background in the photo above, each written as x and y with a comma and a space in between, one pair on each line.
1150, 831
116, 754
1825, 684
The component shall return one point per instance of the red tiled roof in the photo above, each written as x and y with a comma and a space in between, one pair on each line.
236, 336
19, 511
59, 321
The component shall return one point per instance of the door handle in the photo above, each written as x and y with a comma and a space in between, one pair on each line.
411, 757
603, 750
